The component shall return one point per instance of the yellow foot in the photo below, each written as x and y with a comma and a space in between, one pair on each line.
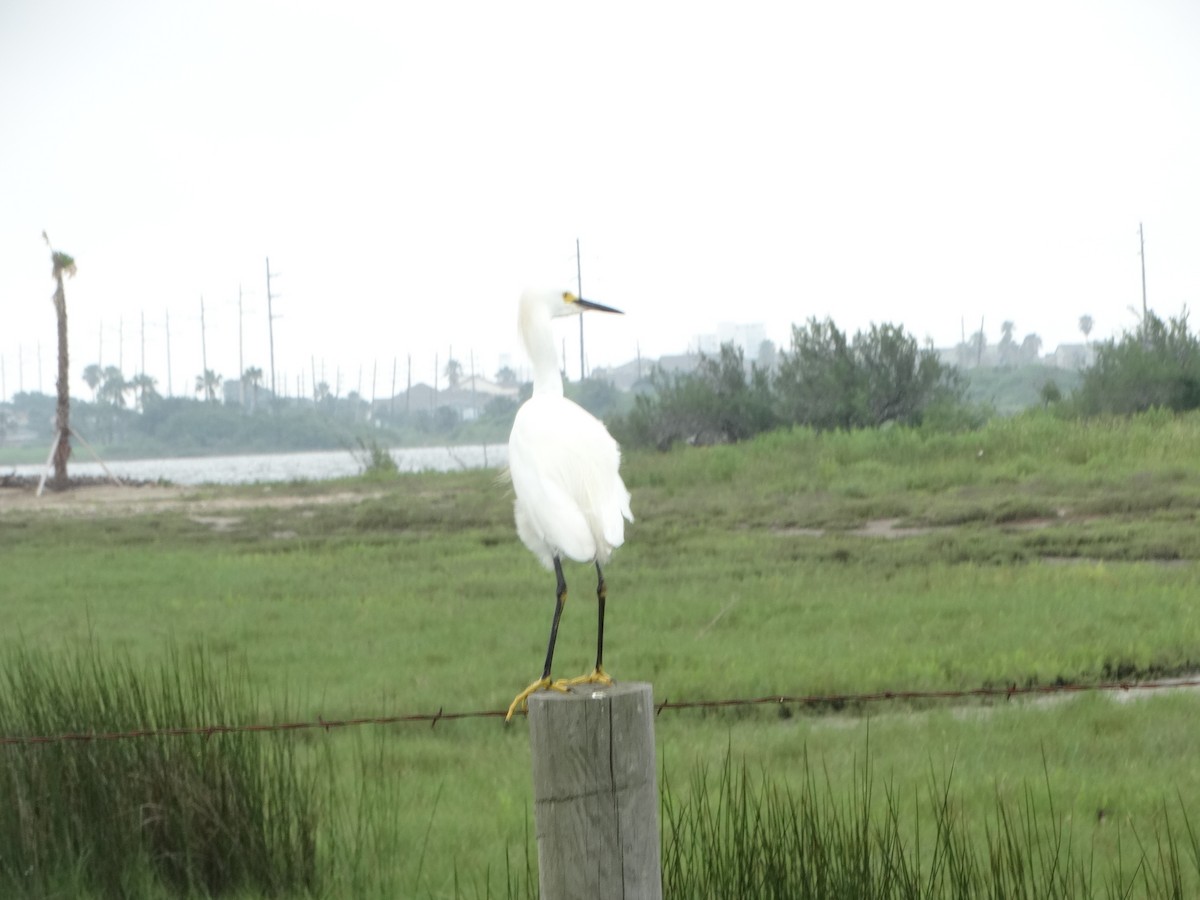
596, 676
521, 701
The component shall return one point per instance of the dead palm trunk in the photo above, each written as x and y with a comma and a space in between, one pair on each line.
63, 264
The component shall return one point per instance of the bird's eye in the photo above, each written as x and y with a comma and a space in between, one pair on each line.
568, 297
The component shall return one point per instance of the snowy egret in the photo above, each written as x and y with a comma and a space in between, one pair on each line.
564, 467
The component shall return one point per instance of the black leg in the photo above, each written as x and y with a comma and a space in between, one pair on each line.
519, 702
560, 599
601, 594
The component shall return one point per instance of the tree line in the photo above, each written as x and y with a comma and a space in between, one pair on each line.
882, 376
826, 380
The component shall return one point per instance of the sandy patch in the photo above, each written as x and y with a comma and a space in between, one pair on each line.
888, 529
134, 500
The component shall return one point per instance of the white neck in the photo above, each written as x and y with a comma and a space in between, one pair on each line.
539, 344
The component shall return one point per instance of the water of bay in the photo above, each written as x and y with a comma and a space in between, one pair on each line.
278, 467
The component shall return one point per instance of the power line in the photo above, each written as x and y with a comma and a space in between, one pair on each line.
835, 701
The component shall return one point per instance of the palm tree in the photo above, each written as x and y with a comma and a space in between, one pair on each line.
144, 385
114, 388
61, 264
1007, 345
92, 376
253, 376
1031, 347
207, 384
1085, 325
978, 345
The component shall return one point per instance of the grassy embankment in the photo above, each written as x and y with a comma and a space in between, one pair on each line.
1031, 551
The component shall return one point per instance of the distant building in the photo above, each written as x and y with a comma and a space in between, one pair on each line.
1075, 357
748, 337
1072, 356
468, 399
627, 376
231, 394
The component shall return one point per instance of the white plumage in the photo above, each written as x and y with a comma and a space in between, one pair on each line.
570, 499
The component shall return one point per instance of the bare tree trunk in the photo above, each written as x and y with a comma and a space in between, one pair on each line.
62, 412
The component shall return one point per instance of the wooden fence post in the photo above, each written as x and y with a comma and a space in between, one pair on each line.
595, 792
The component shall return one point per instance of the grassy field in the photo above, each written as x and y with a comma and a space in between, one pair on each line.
1032, 551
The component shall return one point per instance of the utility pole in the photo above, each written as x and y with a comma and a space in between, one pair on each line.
203, 350
1142, 254
579, 293
169, 353
141, 391
271, 323
474, 399
392, 400
39, 352
241, 361
20, 368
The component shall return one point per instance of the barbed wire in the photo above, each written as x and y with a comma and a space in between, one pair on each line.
836, 701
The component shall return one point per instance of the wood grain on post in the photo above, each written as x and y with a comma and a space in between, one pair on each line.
595, 793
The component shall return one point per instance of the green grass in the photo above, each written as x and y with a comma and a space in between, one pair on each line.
418, 596
737, 835
197, 814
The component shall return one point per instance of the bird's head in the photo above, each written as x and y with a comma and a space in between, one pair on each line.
554, 303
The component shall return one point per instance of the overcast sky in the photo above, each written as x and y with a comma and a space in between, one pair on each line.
409, 168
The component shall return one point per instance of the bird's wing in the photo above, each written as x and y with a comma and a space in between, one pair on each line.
540, 462
564, 467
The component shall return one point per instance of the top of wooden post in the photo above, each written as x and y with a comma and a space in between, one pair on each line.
595, 792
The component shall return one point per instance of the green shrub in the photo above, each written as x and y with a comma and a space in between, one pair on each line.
719, 403
376, 461
880, 377
826, 382
1155, 365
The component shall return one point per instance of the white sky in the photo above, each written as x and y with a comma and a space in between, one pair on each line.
410, 167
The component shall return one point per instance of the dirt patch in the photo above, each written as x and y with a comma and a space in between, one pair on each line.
1097, 561
971, 709
108, 499
91, 499
218, 523
888, 529
891, 529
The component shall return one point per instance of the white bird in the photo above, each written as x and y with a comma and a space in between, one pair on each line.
564, 467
